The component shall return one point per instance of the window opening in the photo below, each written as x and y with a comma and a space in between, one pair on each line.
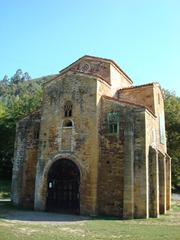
113, 122
67, 123
36, 133
113, 127
68, 109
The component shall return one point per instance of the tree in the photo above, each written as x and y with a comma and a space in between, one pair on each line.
172, 114
18, 97
5, 79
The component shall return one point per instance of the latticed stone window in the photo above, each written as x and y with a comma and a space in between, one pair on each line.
113, 122
68, 109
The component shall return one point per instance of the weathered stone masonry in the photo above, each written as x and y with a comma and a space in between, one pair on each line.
111, 138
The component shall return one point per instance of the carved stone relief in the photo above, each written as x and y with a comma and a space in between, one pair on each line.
93, 68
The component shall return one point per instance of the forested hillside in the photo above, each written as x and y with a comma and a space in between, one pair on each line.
19, 95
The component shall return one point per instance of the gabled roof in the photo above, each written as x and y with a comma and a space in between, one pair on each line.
129, 103
88, 57
34, 113
46, 78
139, 86
142, 86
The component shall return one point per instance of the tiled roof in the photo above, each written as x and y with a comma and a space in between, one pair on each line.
128, 102
142, 86
139, 86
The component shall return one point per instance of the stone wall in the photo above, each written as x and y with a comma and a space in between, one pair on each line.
149, 95
159, 162
82, 144
110, 174
122, 190
118, 80
25, 159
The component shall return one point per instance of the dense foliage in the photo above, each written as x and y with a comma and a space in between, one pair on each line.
19, 96
172, 114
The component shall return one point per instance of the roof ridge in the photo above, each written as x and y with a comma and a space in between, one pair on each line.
139, 86
97, 58
129, 102
109, 60
36, 111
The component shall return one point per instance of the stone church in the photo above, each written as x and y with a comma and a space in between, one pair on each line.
97, 146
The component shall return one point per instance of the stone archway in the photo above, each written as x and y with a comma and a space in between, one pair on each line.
63, 187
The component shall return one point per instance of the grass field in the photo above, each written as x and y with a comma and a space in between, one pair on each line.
165, 228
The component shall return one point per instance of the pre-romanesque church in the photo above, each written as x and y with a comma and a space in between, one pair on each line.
97, 146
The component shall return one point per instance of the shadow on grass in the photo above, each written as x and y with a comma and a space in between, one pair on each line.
27, 214
105, 217
10, 212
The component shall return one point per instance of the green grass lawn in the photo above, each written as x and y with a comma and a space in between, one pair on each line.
166, 227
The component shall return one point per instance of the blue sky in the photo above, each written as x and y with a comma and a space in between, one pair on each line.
141, 36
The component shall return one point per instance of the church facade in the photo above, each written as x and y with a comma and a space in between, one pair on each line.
97, 146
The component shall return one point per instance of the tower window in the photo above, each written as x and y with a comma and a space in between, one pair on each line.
113, 128
67, 123
68, 109
36, 133
113, 122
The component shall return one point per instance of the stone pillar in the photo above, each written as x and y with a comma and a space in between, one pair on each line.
40, 187
153, 183
19, 158
128, 196
162, 183
168, 182
141, 188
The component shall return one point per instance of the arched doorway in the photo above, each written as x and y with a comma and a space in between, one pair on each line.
63, 187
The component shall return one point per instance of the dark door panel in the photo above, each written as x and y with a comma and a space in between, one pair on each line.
63, 187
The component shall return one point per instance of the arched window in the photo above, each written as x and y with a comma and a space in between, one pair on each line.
67, 123
68, 109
